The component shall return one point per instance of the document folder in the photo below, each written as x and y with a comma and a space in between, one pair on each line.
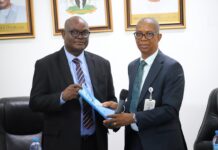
96, 104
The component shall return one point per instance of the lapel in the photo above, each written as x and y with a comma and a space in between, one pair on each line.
91, 68
152, 74
64, 67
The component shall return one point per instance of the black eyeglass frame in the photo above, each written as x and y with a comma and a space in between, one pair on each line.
147, 35
76, 34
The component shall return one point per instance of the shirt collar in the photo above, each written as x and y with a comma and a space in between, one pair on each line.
151, 58
70, 57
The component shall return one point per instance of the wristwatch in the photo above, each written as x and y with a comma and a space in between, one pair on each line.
134, 118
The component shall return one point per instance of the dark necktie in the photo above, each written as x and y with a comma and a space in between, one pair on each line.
87, 110
136, 87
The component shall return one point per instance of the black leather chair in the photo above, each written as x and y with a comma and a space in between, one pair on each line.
209, 124
18, 124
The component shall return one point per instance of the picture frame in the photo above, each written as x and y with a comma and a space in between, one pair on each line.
97, 13
169, 13
16, 21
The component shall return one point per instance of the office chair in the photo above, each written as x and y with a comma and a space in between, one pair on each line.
18, 124
209, 124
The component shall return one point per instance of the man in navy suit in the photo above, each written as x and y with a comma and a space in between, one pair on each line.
69, 124
156, 86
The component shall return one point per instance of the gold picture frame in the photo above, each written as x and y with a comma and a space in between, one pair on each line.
96, 12
169, 13
16, 21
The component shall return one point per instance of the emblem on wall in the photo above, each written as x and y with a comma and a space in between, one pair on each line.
81, 6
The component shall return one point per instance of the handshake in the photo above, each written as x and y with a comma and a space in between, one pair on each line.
120, 107
112, 112
119, 118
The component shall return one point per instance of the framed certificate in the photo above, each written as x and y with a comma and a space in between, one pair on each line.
169, 13
96, 12
16, 19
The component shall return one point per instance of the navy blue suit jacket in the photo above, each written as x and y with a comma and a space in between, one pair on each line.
159, 128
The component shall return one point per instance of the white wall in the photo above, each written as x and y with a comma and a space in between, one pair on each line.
195, 47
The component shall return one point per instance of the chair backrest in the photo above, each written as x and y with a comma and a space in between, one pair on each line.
209, 124
18, 124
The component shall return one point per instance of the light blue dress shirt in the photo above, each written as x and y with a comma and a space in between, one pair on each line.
88, 83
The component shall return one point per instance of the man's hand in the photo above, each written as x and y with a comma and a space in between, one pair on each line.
110, 104
118, 120
71, 92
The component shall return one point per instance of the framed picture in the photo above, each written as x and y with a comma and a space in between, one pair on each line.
16, 19
96, 12
169, 13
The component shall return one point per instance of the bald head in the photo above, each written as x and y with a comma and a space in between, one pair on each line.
150, 21
147, 36
75, 21
75, 35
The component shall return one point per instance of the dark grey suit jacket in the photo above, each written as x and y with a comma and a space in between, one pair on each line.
160, 128
62, 122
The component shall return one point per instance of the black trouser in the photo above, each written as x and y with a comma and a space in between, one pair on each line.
133, 142
89, 142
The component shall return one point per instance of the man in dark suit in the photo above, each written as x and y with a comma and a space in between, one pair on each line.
70, 124
156, 86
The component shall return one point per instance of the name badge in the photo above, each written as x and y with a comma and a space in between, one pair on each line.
149, 103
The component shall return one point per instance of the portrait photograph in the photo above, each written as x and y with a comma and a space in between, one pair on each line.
16, 19
96, 12
169, 13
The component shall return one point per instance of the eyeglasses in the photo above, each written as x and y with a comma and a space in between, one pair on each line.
76, 34
147, 35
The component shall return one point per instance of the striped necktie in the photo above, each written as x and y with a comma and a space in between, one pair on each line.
87, 110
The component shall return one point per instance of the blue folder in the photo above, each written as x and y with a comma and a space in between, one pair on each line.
96, 104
